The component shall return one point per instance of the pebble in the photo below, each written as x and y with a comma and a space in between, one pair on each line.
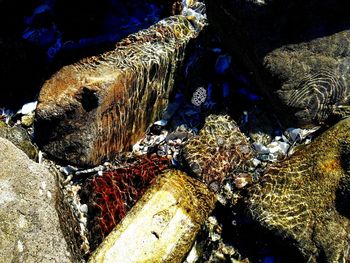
28, 108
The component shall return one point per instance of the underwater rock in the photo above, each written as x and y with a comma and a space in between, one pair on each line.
163, 224
219, 149
111, 195
300, 62
19, 137
29, 224
304, 199
102, 105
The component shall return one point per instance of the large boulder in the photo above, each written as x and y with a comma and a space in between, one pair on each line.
298, 53
304, 200
29, 224
92, 109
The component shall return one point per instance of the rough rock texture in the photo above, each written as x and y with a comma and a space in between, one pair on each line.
19, 137
298, 51
219, 149
29, 224
89, 110
163, 224
110, 196
305, 199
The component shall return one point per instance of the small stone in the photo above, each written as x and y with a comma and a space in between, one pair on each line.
84, 208
27, 120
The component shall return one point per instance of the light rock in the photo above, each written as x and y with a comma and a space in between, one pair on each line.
30, 230
163, 224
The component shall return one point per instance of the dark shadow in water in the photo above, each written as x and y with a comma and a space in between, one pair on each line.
252, 241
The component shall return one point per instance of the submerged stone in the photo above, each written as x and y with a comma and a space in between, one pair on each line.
163, 224
219, 148
101, 105
304, 199
298, 53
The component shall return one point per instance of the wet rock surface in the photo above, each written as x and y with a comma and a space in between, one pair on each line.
278, 200
20, 137
90, 110
299, 61
29, 225
303, 199
219, 149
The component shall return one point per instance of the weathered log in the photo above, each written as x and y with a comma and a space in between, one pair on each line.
163, 224
101, 105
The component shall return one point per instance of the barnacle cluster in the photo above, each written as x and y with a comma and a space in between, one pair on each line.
111, 195
219, 149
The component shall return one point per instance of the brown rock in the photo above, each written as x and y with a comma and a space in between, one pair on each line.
92, 109
304, 200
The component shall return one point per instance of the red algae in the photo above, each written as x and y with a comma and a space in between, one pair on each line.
110, 196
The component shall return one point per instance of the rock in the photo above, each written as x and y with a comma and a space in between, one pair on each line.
304, 199
92, 109
298, 53
29, 226
111, 195
19, 137
219, 148
163, 224
27, 120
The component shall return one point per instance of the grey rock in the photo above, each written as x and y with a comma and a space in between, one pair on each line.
29, 226
297, 51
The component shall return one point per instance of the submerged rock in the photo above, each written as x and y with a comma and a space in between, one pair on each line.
298, 53
163, 224
29, 225
304, 199
90, 110
219, 149
19, 137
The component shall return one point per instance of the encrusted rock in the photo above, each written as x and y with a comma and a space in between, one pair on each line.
19, 137
163, 224
298, 53
219, 148
305, 199
29, 225
101, 105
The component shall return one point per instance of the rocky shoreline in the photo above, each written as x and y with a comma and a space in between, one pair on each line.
166, 150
